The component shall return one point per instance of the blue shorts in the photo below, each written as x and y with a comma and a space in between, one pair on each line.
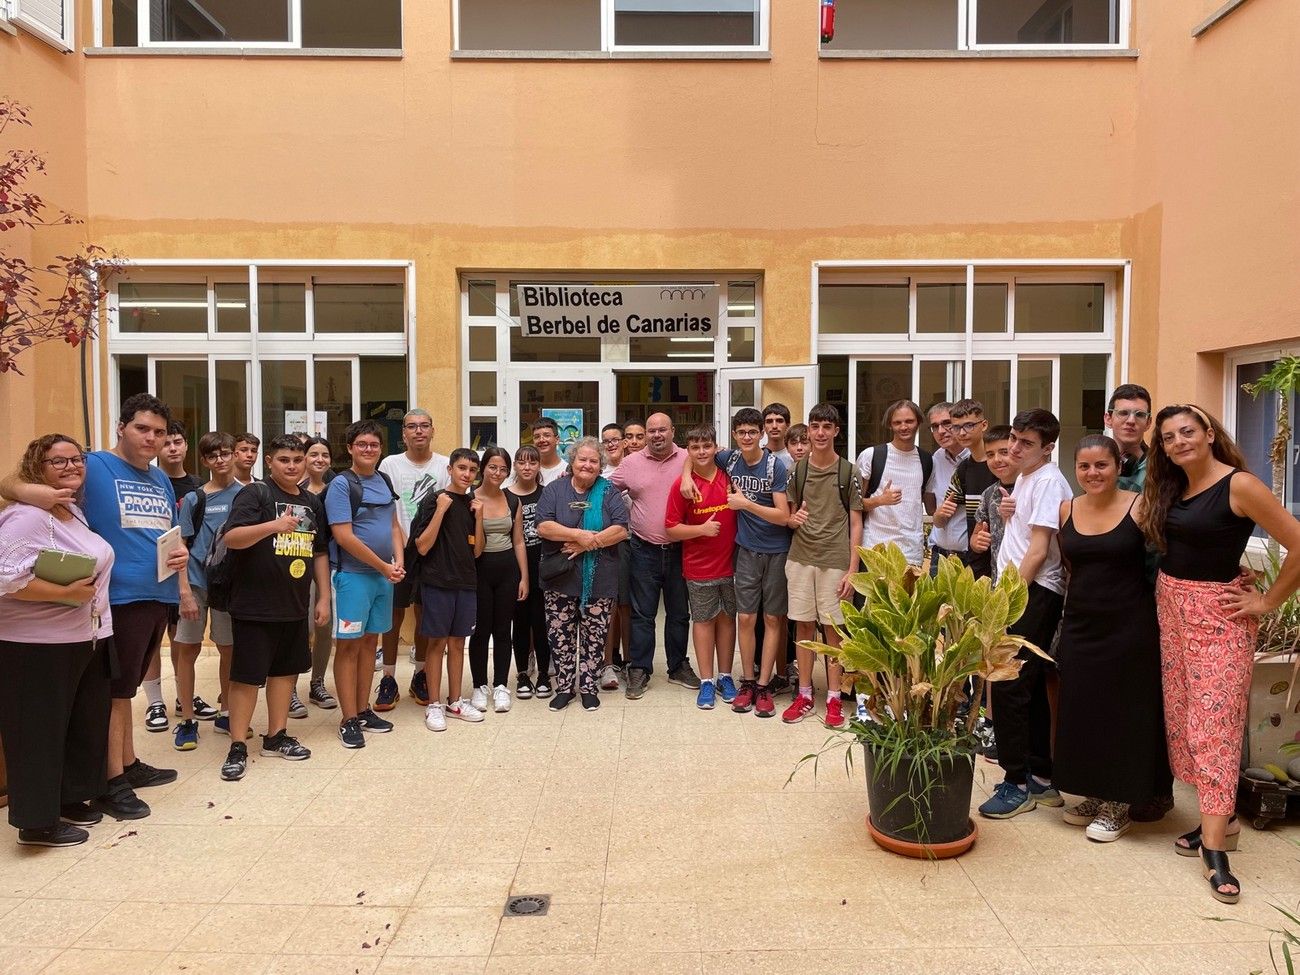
447, 612
363, 603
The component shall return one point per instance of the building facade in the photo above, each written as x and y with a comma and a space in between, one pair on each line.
328, 208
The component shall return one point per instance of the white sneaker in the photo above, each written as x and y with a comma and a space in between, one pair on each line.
609, 678
464, 710
501, 699
435, 719
479, 699
379, 660
1111, 823
1082, 813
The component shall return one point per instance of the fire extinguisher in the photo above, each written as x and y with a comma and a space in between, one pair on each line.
828, 21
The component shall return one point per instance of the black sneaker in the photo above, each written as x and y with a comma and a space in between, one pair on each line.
61, 835
142, 776
778, 685
373, 723
685, 676
590, 702
282, 745
350, 734
637, 682
524, 687
120, 801
543, 690
562, 700
155, 718
80, 814
236, 763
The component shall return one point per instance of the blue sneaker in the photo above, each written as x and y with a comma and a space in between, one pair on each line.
707, 697
727, 688
386, 697
1008, 800
187, 736
221, 725
1044, 795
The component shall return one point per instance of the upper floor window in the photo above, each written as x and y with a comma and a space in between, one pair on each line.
310, 24
50, 20
611, 25
979, 25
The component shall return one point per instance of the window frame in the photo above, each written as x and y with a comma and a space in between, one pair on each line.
11, 14
144, 41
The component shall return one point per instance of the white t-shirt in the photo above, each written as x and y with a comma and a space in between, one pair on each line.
783, 456
951, 536
1038, 502
903, 523
545, 475
413, 481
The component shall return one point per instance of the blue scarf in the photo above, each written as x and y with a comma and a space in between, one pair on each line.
593, 520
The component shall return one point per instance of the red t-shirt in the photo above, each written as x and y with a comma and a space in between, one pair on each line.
704, 558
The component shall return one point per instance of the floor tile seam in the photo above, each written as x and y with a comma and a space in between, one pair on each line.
211, 906
987, 903
152, 970
36, 893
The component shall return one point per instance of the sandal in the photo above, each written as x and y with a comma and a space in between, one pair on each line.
1217, 873
1192, 839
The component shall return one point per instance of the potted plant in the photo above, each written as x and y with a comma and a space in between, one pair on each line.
921, 650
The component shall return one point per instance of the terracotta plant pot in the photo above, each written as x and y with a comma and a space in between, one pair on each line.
924, 851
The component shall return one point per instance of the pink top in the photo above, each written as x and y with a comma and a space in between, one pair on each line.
24, 531
647, 482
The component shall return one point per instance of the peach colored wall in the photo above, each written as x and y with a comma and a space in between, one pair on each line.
52, 85
722, 165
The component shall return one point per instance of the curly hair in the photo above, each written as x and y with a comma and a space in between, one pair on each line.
31, 468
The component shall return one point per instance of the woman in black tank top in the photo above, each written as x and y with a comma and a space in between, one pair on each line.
1201, 507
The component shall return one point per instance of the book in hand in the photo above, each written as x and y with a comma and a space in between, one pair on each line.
63, 568
167, 543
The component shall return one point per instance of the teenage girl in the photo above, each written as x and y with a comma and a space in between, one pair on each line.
318, 477
530, 614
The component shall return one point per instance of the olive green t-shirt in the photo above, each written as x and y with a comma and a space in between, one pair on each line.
823, 541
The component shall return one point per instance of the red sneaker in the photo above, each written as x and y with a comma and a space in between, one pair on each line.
744, 702
799, 709
764, 706
834, 713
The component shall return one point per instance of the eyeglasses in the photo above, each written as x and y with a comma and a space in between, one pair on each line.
1138, 415
220, 455
362, 445
964, 427
62, 463
746, 434
944, 425
417, 426
612, 441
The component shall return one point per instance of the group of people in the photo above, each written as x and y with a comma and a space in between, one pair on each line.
560, 565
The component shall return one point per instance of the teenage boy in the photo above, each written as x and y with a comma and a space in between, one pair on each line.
986, 538
449, 537
970, 480
1128, 418
706, 527
362, 510
787, 678
276, 535
415, 473
171, 459
546, 438
758, 478
1023, 720
949, 538
128, 502
899, 479
633, 436
776, 423
246, 448
826, 497
619, 639
203, 512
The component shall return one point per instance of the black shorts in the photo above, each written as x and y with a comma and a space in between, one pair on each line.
138, 630
269, 649
407, 592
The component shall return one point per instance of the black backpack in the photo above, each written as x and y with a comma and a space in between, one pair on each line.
843, 477
880, 454
196, 515
219, 566
357, 490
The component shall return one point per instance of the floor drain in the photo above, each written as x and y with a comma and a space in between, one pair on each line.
529, 905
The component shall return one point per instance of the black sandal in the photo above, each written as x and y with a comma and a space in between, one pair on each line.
1193, 840
1217, 873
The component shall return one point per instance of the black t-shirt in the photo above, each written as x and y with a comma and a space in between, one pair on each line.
529, 501
272, 579
184, 485
450, 563
971, 479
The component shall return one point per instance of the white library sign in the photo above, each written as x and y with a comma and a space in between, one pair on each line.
574, 310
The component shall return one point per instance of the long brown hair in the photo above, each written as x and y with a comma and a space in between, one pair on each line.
1166, 481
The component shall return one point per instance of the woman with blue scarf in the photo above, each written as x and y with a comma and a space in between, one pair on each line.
581, 520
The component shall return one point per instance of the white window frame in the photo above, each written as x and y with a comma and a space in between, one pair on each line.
11, 11
144, 40
968, 40
607, 44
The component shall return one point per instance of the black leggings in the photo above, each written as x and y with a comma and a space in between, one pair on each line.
498, 592
54, 705
530, 622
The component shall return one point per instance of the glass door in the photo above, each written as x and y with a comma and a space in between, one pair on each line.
738, 386
183, 385
579, 404
688, 398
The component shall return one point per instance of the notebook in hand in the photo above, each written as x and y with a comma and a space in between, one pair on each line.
63, 568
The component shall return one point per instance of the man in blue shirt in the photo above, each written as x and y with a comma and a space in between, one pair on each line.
362, 510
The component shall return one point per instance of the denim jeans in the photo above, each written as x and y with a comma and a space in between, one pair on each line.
657, 569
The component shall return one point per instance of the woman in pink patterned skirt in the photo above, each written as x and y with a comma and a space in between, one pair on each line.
1201, 507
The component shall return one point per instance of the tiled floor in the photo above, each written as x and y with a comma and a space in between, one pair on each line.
670, 841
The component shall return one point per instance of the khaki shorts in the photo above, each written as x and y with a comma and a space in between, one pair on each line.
191, 631
814, 593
